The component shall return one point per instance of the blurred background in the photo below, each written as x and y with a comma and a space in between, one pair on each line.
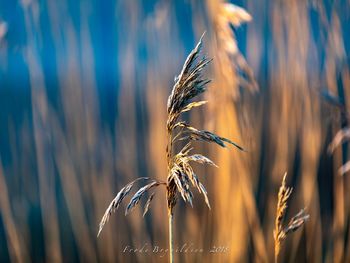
83, 90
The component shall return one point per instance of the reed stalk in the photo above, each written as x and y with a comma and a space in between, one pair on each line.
180, 175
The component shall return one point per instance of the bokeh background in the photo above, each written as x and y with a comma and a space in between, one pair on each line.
83, 89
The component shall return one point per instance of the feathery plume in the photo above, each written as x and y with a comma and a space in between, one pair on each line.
233, 66
280, 232
116, 202
189, 84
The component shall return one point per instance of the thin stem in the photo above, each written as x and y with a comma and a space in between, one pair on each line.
171, 241
277, 243
169, 197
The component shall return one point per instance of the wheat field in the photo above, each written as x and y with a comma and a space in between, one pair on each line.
84, 87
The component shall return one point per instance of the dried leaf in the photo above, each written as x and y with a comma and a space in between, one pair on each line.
193, 104
233, 143
149, 200
201, 135
204, 191
201, 159
137, 196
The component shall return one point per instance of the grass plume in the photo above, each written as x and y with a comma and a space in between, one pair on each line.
233, 66
181, 176
281, 232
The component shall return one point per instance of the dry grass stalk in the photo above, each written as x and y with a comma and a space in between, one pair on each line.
280, 232
232, 63
188, 85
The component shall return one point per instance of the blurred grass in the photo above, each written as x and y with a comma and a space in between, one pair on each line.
83, 95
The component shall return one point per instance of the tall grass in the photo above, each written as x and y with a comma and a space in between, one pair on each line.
281, 232
189, 84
